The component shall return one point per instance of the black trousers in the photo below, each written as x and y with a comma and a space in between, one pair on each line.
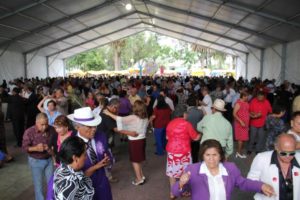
229, 112
18, 129
195, 151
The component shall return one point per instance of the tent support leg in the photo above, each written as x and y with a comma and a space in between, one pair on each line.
25, 65
64, 70
283, 62
246, 65
262, 55
47, 66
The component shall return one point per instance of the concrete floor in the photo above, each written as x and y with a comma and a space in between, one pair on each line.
16, 181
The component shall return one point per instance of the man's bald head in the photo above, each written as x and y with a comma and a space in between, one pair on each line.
284, 141
285, 145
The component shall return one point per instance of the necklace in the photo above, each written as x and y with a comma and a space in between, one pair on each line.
284, 170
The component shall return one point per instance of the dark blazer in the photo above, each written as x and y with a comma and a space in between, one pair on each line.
31, 109
17, 106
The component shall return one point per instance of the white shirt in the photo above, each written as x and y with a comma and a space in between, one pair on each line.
26, 95
235, 98
215, 183
197, 87
97, 110
229, 97
168, 101
207, 100
297, 136
87, 140
133, 123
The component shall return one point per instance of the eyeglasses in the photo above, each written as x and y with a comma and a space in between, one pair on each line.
285, 153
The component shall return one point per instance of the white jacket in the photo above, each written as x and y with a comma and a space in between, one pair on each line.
263, 170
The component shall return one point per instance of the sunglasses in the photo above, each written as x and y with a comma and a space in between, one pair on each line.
284, 153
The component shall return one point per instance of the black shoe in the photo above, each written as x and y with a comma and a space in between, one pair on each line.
249, 152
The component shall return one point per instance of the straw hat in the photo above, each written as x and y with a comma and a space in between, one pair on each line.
219, 105
85, 116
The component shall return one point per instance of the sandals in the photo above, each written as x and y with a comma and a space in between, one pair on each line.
136, 183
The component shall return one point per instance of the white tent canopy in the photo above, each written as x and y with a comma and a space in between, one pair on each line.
37, 35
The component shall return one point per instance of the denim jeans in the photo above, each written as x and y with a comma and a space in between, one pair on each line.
160, 139
40, 168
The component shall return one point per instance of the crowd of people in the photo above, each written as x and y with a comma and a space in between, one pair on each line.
68, 129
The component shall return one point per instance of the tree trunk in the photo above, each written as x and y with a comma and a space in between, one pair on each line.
117, 58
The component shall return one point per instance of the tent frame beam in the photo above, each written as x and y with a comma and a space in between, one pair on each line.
79, 32
246, 8
59, 21
157, 32
214, 20
199, 29
96, 38
21, 9
191, 36
4, 50
106, 43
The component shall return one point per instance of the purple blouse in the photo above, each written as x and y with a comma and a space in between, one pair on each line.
199, 182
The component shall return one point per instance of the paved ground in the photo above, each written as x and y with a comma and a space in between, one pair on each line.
16, 182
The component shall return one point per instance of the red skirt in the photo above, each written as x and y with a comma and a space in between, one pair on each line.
137, 150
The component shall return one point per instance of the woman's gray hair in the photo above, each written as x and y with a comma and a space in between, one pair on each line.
179, 111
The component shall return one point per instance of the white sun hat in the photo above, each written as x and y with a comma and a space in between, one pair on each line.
85, 116
219, 104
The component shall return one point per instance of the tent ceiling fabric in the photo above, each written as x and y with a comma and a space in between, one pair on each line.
64, 28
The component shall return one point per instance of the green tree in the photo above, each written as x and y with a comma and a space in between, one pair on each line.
144, 47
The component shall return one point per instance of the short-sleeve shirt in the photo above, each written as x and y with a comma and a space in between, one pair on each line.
215, 126
33, 137
51, 118
180, 133
133, 123
207, 100
262, 107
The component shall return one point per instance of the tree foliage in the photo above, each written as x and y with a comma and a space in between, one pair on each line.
141, 48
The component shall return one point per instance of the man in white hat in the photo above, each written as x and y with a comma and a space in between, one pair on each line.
98, 156
215, 126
